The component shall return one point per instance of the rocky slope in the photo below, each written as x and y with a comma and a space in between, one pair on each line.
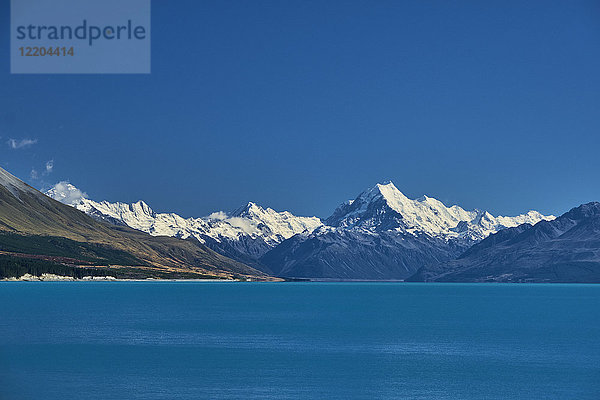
566, 249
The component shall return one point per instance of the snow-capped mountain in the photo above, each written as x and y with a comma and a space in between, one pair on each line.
251, 230
382, 234
384, 207
566, 249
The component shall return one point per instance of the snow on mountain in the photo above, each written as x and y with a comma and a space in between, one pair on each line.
566, 249
382, 234
384, 207
251, 230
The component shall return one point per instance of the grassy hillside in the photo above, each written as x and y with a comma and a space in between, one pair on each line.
15, 267
92, 253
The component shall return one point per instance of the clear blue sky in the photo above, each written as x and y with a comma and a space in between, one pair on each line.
300, 105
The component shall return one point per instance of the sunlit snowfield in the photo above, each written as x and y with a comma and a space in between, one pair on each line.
193, 340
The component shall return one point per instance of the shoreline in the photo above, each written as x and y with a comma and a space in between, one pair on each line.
60, 278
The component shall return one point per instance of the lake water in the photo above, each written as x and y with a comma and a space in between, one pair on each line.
207, 340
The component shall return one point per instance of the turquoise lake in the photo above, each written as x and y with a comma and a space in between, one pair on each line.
210, 340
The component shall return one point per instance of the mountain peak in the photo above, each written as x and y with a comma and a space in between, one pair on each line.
386, 184
384, 207
141, 207
558, 250
370, 207
586, 210
249, 208
66, 193
387, 190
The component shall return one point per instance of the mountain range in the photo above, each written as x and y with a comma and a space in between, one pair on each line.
245, 234
384, 235
36, 230
566, 249
381, 234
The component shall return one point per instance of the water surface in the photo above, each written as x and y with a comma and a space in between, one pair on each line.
206, 340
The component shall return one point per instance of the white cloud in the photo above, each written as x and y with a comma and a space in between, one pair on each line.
19, 144
66, 193
34, 174
219, 215
49, 167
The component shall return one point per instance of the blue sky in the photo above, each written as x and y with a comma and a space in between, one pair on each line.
301, 105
